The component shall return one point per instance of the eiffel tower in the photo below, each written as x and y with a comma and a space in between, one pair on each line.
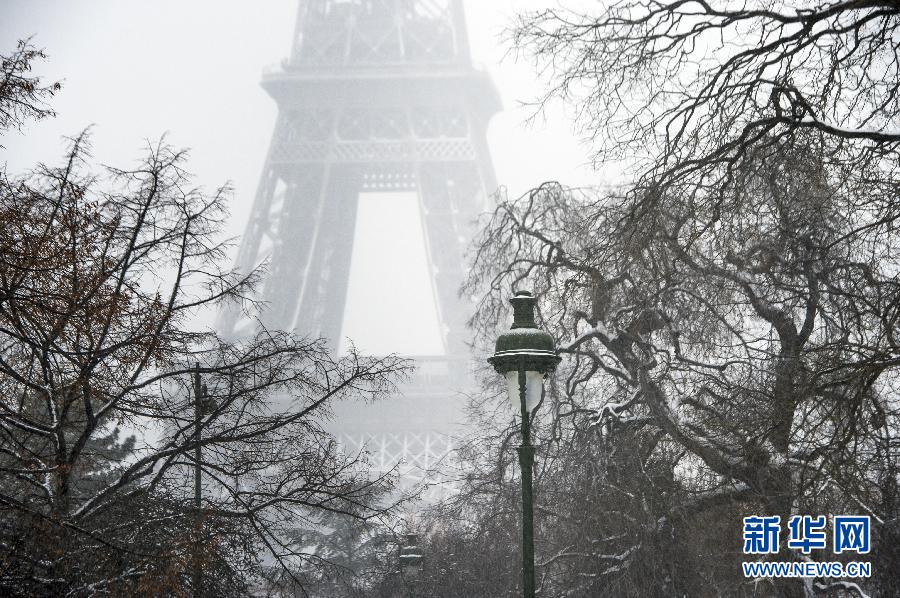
377, 96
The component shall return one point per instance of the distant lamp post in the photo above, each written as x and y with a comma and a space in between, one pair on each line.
203, 405
525, 355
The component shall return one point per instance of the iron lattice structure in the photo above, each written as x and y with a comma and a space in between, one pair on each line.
377, 95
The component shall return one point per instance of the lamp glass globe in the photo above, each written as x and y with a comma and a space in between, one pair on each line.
534, 383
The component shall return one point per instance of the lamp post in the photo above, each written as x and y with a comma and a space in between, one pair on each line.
203, 405
524, 355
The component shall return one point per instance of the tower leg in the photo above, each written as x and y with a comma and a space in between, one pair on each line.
320, 310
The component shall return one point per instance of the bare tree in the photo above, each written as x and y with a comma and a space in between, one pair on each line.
754, 329
23, 96
738, 303
100, 278
685, 87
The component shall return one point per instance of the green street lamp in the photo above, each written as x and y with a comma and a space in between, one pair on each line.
525, 355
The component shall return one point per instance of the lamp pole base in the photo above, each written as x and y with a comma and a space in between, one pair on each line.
526, 461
